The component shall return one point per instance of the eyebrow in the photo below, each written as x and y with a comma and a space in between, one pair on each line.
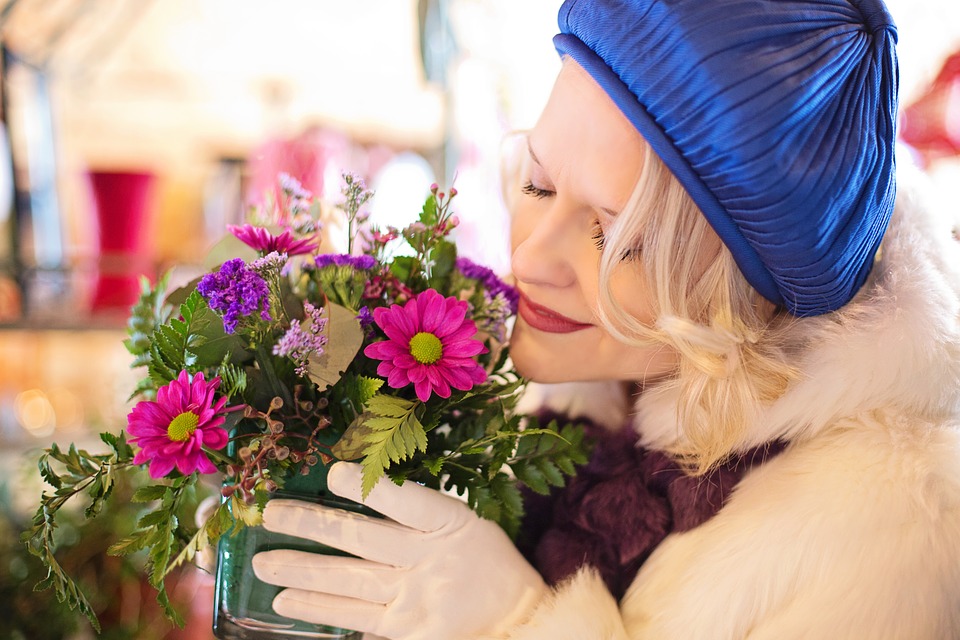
533, 156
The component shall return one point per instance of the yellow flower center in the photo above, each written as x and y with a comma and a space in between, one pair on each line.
426, 348
183, 426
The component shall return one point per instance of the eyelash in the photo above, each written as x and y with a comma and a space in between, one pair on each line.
597, 237
536, 192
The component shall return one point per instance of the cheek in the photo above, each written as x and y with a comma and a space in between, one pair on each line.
634, 295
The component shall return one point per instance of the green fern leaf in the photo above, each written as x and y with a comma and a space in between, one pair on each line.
367, 388
391, 432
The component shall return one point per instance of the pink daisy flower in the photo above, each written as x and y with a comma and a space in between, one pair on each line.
173, 431
430, 344
265, 242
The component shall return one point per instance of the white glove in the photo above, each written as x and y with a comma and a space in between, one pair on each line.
433, 570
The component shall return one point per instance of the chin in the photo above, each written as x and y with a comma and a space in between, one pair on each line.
538, 366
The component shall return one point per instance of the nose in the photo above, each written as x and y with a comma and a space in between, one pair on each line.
541, 237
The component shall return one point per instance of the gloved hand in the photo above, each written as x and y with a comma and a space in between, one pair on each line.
434, 569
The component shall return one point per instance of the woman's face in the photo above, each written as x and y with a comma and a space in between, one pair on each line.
584, 159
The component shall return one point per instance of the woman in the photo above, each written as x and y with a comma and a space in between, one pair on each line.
700, 215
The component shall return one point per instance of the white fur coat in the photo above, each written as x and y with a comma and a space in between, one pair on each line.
854, 530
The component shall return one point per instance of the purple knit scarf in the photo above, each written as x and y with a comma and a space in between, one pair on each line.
620, 506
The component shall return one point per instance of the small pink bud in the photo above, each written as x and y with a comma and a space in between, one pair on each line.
440, 195
433, 188
453, 191
453, 222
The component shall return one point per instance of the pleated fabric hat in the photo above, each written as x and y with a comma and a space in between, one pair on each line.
777, 116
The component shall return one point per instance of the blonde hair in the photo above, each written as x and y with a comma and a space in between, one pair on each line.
728, 337
730, 340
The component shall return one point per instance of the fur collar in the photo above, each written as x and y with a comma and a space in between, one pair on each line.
895, 346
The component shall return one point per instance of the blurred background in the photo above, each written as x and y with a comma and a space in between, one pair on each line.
132, 131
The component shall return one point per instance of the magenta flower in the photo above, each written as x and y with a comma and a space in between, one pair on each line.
265, 242
430, 343
172, 431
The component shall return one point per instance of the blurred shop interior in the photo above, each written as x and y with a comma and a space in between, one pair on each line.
133, 131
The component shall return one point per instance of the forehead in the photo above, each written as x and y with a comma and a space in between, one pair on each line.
585, 143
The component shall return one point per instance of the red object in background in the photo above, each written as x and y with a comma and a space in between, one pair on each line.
122, 204
931, 125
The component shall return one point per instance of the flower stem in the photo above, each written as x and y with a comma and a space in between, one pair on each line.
219, 457
263, 359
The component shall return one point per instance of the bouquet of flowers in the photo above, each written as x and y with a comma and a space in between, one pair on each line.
283, 359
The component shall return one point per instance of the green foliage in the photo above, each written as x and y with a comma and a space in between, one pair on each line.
219, 523
341, 285
430, 213
233, 378
160, 532
112, 585
403, 267
387, 432
192, 342
542, 462
81, 473
443, 258
366, 388
538, 457
481, 451
149, 312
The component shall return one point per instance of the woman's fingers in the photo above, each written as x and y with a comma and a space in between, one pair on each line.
330, 610
333, 575
413, 505
375, 539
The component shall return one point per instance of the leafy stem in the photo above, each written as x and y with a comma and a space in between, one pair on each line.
278, 389
83, 473
218, 456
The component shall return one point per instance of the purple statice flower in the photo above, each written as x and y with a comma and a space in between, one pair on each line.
491, 283
235, 291
344, 260
270, 265
298, 343
365, 317
498, 310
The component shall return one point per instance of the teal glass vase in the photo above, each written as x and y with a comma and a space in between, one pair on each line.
242, 603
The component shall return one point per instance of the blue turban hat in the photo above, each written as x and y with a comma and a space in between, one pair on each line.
777, 116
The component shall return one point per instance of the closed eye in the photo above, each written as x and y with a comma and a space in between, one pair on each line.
536, 192
600, 240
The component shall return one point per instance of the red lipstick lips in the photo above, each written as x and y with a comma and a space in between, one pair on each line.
547, 320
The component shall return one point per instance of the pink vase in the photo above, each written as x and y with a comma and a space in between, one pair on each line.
122, 203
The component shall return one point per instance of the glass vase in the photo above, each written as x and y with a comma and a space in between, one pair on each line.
243, 604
